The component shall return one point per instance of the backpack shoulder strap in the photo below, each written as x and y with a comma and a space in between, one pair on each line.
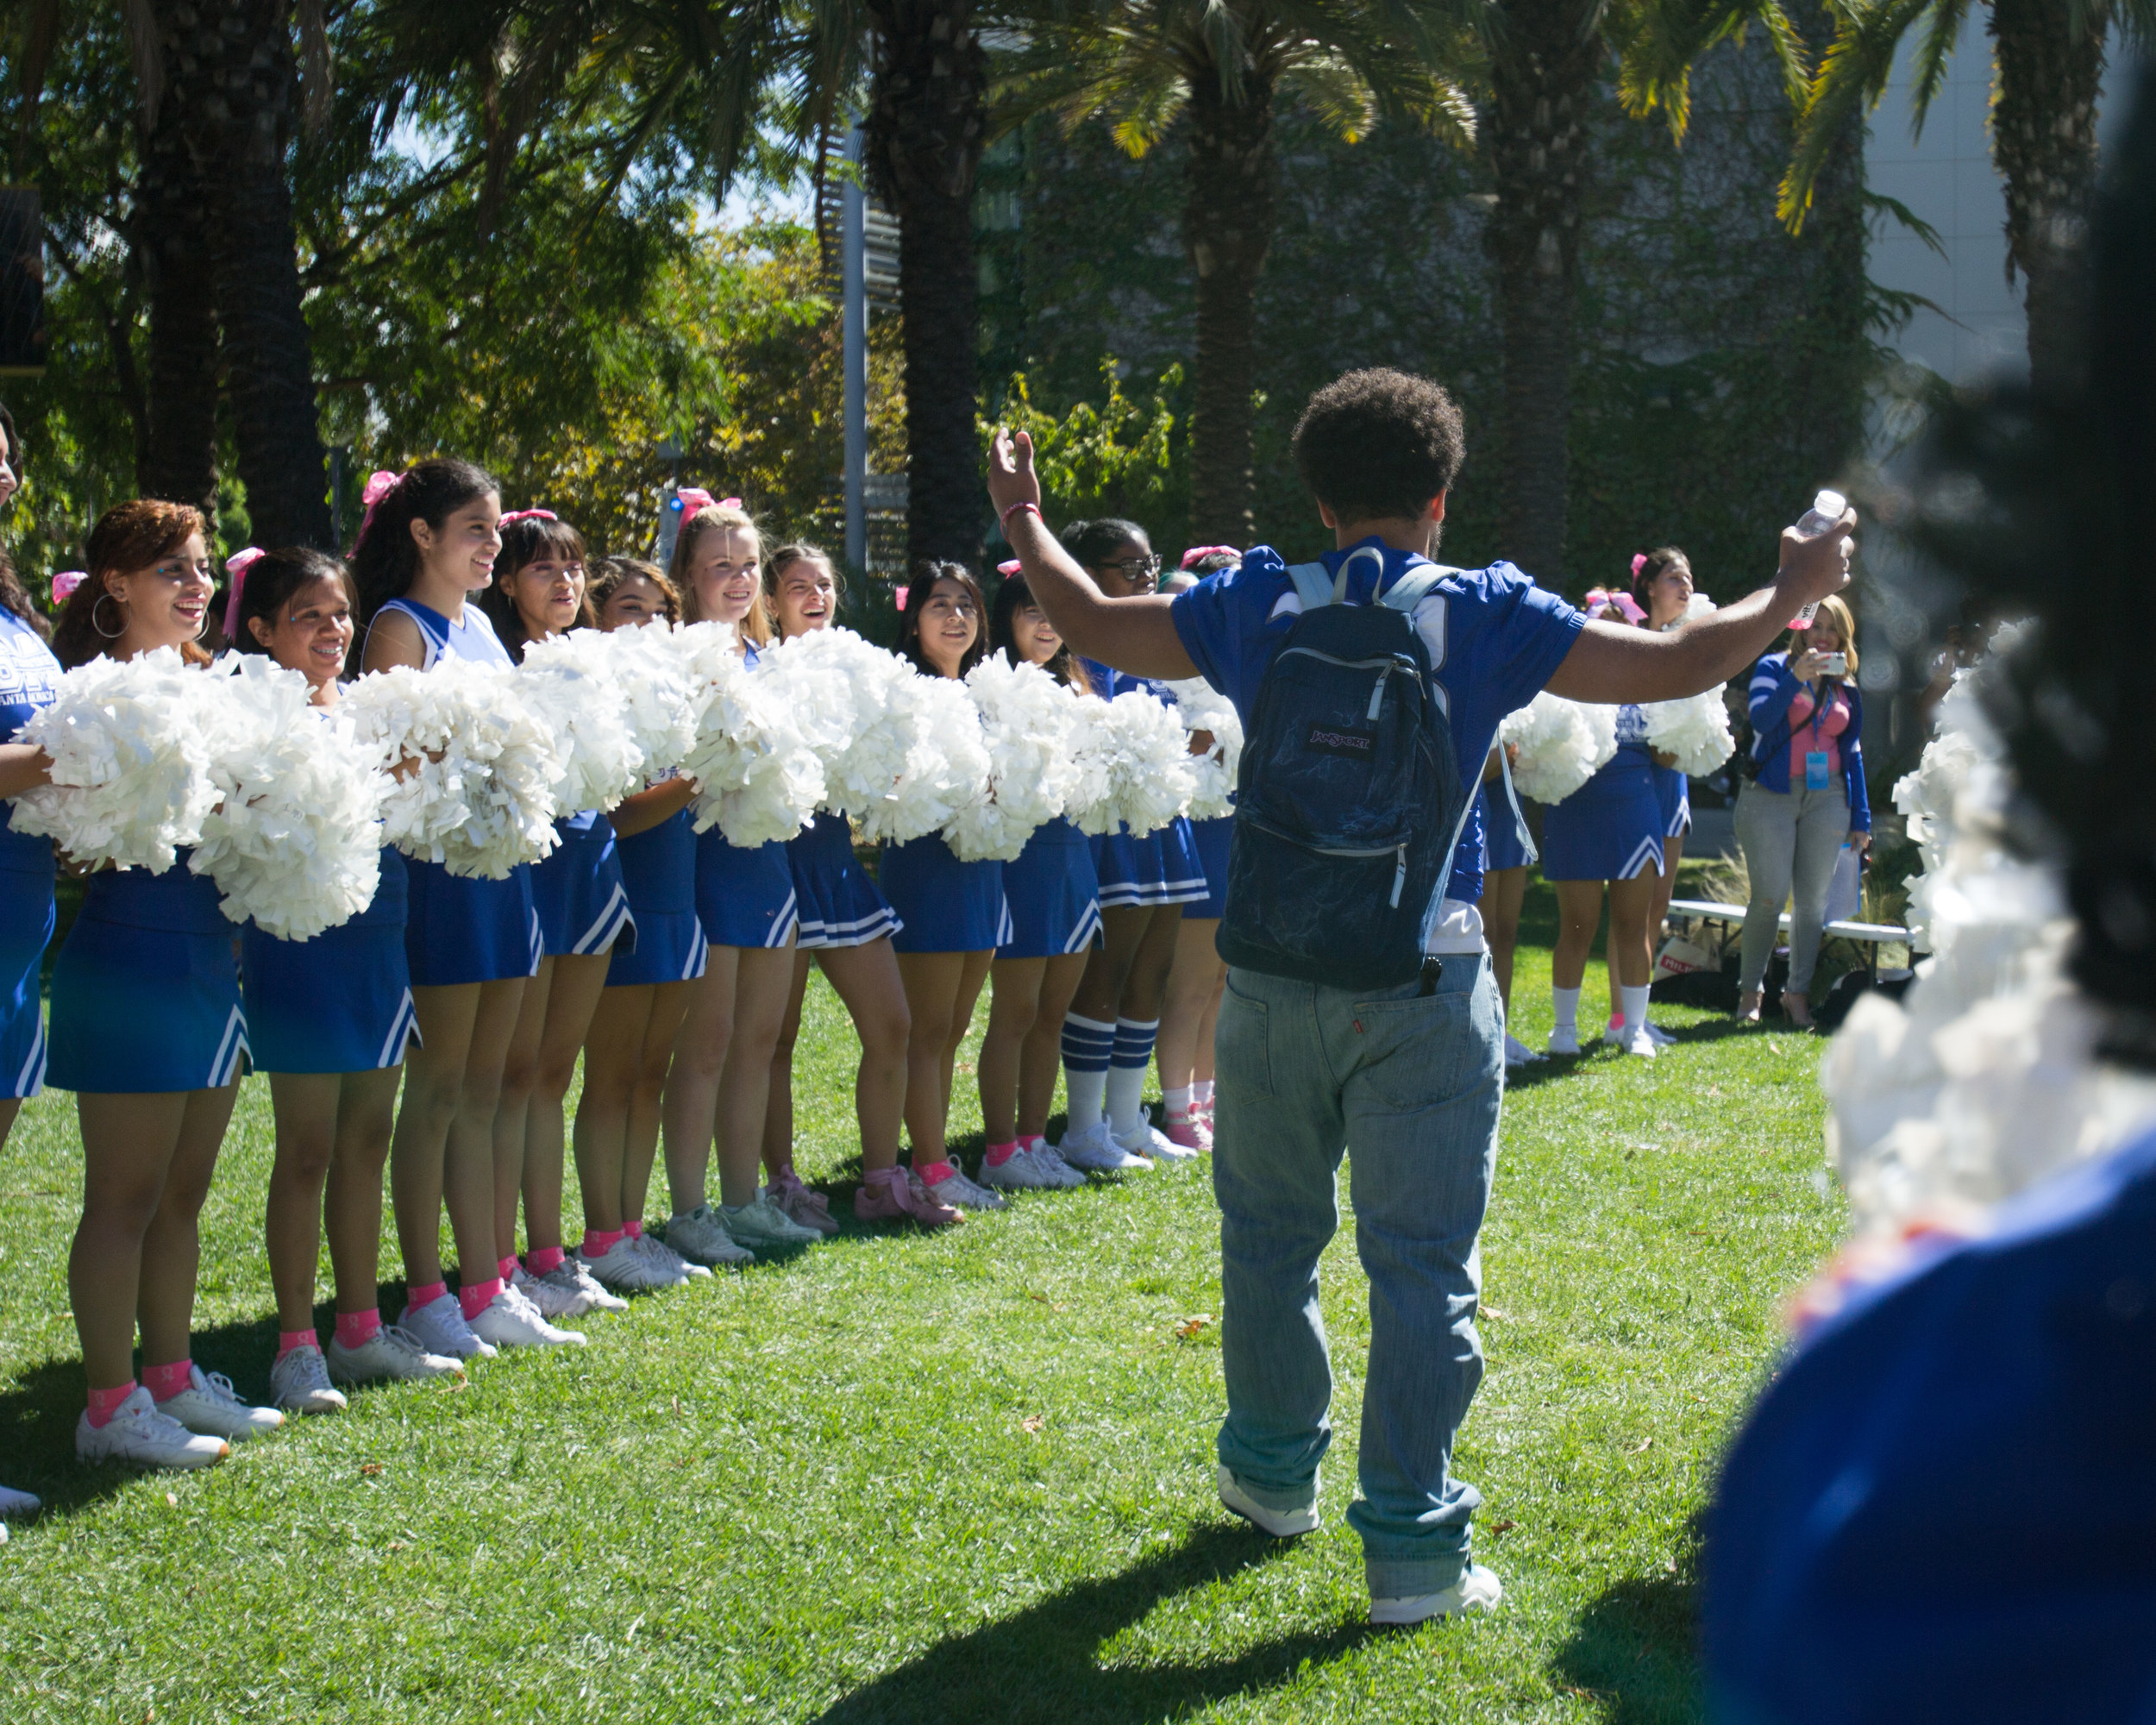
1312, 585
1412, 588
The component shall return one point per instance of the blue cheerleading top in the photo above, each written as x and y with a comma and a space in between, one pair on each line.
472, 638
29, 675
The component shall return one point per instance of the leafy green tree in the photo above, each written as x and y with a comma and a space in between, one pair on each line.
1117, 458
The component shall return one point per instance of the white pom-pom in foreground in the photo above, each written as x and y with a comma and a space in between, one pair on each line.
1562, 745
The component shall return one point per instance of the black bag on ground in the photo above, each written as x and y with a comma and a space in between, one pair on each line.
1349, 804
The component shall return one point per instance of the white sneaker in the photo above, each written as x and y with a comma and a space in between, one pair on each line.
139, 1434
299, 1384
552, 1300
1565, 1040
1146, 1139
1022, 1170
439, 1327
1477, 1589
960, 1193
670, 1261
1095, 1150
17, 1505
761, 1223
207, 1405
1662, 1038
573, 1275
1282, 1524
391, 1355
703, 1236
624, 1269
1517, 1053
1636, 1040
1060, 1173
512, 1320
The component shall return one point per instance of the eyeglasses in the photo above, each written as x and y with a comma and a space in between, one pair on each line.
1133, 568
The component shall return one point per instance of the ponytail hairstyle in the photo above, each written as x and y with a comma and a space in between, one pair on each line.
1646, 569
387, 558
926, 573
611, 573
272, 582
128, 537
14, 596
528, 534
703, 516
799, 551
1063, 665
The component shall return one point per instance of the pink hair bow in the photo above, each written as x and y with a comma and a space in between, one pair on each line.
1639, 562
1009, 569
65, 582
694, 501
1197, 552
529, 515
237, 566
1600, 599
898, 596
379, 486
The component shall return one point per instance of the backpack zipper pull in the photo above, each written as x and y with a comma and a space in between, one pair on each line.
1378, 694
1399, 877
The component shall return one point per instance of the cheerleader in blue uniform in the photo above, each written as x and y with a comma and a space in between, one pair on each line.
330, 1018
426, 546
724, 1059
1507, 849
1054, 897
846, 927
148, 1031
1662, 585
1607, 832
631, 1044
952, 914
538, 591
1145, 883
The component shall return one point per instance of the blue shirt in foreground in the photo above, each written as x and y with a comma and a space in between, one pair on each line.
1494, 638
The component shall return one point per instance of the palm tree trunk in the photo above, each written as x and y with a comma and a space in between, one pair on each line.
923, 149
241, 123
177, 455
1542, 77
2044, 141
1228, 220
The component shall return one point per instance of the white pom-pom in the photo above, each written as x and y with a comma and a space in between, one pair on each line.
130, 765
1697, 606
667, 675
1562, 745
1202, 707
573, 687
758, 780
1028, 724
296, 843
946, 760
476, 790
1132, 764
1695, 730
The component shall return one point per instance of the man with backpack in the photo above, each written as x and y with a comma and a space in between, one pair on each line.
1360, 1007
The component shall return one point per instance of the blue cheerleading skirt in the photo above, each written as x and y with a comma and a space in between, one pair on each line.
1054, 894
1610, 829
1501, 845
26, 929
658, 870
942, 904
1674, 791
839, 904
1161, 869
340, 1001
577, 890
461, 930
145, 994
748, 898
1211, 839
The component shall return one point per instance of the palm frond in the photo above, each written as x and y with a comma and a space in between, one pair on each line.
1851, 76
1335, 92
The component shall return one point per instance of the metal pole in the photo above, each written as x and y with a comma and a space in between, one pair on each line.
854, 253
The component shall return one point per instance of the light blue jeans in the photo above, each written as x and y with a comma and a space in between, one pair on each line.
1413, 1085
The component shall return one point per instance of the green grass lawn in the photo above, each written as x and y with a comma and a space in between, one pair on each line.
957, 1478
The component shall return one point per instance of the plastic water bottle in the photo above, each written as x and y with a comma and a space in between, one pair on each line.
1827, 509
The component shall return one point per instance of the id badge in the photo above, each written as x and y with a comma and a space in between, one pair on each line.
1815, 769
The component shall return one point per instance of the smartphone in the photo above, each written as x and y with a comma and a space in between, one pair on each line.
1833, 664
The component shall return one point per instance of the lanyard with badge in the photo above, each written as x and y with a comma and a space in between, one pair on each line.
1815, 758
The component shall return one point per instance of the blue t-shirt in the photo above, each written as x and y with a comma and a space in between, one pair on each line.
28, 676
1494, 637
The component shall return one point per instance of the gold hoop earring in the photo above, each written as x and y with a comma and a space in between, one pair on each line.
108, 634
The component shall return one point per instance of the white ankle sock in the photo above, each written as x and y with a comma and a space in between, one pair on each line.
1635, 1004
1177, 1103
1566, 1003
1201, 1093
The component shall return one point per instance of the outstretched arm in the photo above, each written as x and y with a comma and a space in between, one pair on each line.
1134, 635
1610, 664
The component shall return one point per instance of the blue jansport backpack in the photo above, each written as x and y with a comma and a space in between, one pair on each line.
1349, 804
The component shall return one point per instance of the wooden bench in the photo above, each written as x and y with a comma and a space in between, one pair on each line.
1870, 936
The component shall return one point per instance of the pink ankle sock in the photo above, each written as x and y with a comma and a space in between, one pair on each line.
417, 1297
476, 1297
544, 1261
357, 1329
507, 1268
597, 1244
1000, 1154
1617, 1019
290, 1340
168, 1381
104, 1403
633, 1228
935, 1172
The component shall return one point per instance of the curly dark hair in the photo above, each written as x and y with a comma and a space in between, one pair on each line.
13, 594
1378, 444
921, 583
128, 536
386, 556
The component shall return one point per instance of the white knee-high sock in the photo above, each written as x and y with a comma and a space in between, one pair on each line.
1566, 1004
1635, 1004
1086, 1043
1126, 1073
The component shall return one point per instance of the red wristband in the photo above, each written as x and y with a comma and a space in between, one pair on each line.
1004, 519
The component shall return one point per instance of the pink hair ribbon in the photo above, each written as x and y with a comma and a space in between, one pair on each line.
379, 486
1009, 569
898, 596
694, 501
65, 582
237, 566
1623, 603
529, 515
1197, 552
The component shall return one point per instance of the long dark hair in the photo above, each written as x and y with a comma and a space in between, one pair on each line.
130, 536
386, 557
926, 573
13, 595
1063, 664
273, 579
523, 541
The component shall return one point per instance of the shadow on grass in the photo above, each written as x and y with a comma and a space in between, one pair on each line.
1635, 1649
1044, 1663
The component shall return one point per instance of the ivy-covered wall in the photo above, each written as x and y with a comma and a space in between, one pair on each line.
1722, 364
